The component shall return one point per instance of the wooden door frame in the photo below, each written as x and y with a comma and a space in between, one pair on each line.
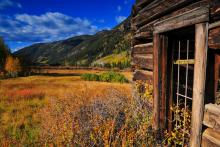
160, 80
159, 70
160, 49
201, 50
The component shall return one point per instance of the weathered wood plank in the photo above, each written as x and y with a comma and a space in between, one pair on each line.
163, 109
201, 49
156, 84
186, 17
214, 25
215, 9
201, 3
214, 38
143, 75
210, 138
143, 49
143, 3
149, 27
143, 61
143, 35
151, 5
212, 117
216, 14
216, 76
145, 30
139, 6
157, 9
170, 90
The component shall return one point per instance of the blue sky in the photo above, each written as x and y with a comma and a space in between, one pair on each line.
25, 22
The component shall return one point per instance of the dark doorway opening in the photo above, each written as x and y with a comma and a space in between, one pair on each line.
179, 76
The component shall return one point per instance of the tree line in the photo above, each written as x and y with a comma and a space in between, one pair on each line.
10, 66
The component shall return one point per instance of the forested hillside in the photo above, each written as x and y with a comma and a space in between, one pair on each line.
83, 50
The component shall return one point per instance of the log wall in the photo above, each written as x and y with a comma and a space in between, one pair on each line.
211, 136
148, 14
150, 18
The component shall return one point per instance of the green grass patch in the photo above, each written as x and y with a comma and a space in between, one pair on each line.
106, 77
90, 77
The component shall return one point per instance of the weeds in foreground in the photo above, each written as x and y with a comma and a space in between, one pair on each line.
19, 121
76, 113
129, 128
117, 120
180, 133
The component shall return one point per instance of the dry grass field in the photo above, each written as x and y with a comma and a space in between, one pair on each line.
63, 111
77, 72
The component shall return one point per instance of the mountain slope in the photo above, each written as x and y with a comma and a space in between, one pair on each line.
80, 50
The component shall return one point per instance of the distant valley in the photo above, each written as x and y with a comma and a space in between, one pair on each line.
106, 48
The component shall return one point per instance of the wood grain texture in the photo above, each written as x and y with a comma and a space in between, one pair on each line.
143, 49
143, 75
214, 38
215, 10
156, 84
156, 9
214, 25
143, 61
212, 117
187, 16
143, 35
201, 48
143, 3
216, 75
163, 108
210, 138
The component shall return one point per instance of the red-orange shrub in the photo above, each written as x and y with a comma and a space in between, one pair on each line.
25, 94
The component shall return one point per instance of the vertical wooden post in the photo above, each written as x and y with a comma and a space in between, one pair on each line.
164, 48
201, 47
156, 87
170, 86
216, 71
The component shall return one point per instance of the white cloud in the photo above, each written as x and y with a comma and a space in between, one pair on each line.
42, 28
119, 8
101, 21
9, 3
119, 19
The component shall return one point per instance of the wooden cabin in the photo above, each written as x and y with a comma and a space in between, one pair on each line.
176, 48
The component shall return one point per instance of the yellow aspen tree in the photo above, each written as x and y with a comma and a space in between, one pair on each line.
12, 66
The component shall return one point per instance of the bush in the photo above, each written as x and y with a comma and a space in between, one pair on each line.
113, 77
90, 77
105, 77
